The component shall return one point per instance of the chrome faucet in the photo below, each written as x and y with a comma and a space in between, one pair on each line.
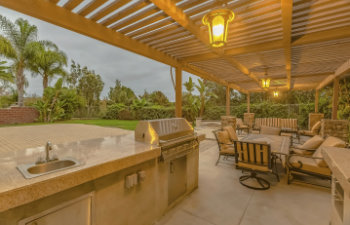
48, 148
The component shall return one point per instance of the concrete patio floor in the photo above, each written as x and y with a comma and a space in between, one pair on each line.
222, 200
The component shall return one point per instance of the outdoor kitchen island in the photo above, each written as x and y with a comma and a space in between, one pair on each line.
119, 181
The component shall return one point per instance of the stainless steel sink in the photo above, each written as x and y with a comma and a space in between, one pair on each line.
34, 170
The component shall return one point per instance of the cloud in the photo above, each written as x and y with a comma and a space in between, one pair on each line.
134, 71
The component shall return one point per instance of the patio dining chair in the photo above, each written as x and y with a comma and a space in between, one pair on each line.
225, 144
241, 126
254, 157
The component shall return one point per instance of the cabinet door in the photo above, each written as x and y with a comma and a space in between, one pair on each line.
74, 213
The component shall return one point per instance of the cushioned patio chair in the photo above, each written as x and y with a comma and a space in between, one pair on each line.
309, 147
241, 126
225, 144
315, 130
312, 164
254, 157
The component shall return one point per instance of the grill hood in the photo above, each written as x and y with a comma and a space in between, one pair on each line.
162, 130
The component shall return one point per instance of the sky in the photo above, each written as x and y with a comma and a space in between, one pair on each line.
134, 71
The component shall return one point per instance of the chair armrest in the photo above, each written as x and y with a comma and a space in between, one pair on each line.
300, 148
304, 156
300, 163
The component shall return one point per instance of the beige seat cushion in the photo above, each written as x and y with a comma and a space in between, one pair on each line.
270, 130
223, 137
316, 128
231, 133
313, 143
227, 150
329, 142
255, 167
308, 164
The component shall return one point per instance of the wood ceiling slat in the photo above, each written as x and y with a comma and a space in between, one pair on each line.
71, 4
91, 7
181, 47
109, 9
173, 42
187, 43
322, 20
169, 38
134, 28
138, 17
163, 34
335, 25
125, 12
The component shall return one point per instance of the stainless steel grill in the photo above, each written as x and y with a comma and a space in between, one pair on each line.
175, 136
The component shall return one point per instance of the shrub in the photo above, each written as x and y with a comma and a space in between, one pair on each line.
114, 110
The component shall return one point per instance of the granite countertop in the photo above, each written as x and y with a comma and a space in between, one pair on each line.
98, 157
338, 161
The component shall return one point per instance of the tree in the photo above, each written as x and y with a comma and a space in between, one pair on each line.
76, 72
158, 98
5, 76
90, 87
121, 94
47, 61
58, 103
204, 94
17, 45
189, 85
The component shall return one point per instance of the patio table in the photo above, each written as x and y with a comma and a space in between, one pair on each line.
279, 144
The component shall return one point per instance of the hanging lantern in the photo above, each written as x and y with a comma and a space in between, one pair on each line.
265, 83
217, 22
275, 94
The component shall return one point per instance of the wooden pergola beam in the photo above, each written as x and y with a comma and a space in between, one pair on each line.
207, 76
287, 13
49, 12
169, 7
342, 70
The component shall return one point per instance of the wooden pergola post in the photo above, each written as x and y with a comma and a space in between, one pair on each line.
316, 101
335, 98
178, 92
248, 102
228, 98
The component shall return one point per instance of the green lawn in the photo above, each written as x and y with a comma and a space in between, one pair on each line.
123, 124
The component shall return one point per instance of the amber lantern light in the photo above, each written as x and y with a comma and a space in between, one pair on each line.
265, 82
275, 94
217, 22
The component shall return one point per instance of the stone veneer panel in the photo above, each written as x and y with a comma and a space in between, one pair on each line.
335, 128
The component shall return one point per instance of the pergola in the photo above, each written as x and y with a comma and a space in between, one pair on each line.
301, 44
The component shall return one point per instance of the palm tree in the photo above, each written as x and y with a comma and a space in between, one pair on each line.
47, 61
5, 76
17, 45
189, 85
204, 94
